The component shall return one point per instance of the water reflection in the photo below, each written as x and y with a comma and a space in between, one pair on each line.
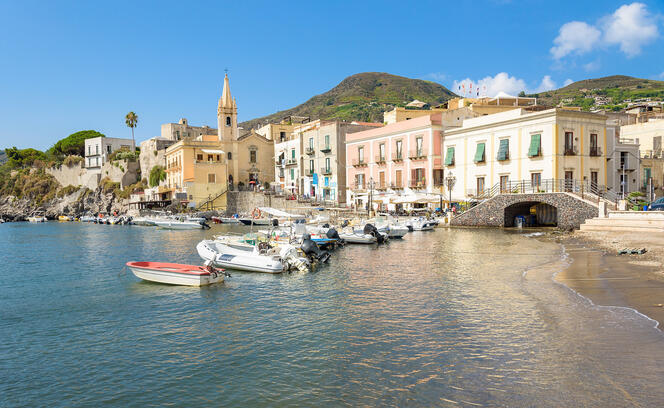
446, 318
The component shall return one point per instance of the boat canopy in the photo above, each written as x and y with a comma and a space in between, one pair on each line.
278, 213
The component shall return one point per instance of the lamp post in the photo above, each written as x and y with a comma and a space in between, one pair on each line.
371, 187
449, 182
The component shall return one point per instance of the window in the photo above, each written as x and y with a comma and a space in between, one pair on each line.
535, 180
229, 155
97, 161
327, 164
397, 178
252, 156
504, 150
438, 177
479, 153
228, 121
96, 149
449, 157
177, 135
535, 148
311, 167
418, 143
212, 178
282, 136
281, 172
569, 180
593, 181
199, 157
418, 177
292, 174
594, 149
311, 143
569, 144
327, 141
657, 145
89, 150
399, 150
218, 157
360, 154
381, 150
108, 149
480, 185
209, 157
359, 181
381, 179
293, 154
623, 160
504, 183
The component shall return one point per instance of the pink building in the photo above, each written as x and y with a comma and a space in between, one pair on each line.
403, 160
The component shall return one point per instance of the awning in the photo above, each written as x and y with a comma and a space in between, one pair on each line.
211, 151
278, 213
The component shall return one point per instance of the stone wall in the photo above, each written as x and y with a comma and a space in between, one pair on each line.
124, 172
572, 210
243, 202
153, 153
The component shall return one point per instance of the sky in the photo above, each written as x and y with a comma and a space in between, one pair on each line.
67, 66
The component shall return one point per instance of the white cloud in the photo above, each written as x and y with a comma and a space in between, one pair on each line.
567, 82
436, 76
631, 27
501, 82
547, 84
592, 66
575, 37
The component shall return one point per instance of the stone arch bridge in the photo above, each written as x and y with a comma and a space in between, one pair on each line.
569, 211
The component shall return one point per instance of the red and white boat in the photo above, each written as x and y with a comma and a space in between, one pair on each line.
176, 274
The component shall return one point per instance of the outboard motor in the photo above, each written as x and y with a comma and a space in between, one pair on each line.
371, 230
333, 234
204, 224
275, 222
312, 251
326, 225
344, 224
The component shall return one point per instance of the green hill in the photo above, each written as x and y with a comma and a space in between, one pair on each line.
612, 92
363, 97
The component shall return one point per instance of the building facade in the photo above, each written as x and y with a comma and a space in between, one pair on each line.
534, 148
182, 129
399, 165
648, 136
98, 149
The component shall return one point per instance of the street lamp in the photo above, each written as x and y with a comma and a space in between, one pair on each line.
449, 182
371, 187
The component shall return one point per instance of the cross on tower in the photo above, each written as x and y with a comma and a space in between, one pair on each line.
226, 71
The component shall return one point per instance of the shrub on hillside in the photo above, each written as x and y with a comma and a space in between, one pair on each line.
72, 160
21, 158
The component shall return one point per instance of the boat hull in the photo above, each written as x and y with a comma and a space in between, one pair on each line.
224, 256
178, 225
358, 238
174, 274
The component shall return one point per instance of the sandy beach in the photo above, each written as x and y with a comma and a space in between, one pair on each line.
608, 279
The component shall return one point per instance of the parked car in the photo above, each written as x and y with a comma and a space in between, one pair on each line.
657, 205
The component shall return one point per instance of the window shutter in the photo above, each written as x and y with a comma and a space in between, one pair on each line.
449, 158
503, 150
479, 153
535, 144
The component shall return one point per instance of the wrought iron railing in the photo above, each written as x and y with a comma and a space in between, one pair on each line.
585, 189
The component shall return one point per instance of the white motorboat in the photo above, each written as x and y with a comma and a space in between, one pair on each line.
87, 218
176, 274
395, 230
145, 221
37, 216
358, 238
2, 221
255, 221
180, 224
252, 258
422, 225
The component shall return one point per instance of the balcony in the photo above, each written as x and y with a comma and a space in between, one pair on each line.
397, 157
309, 172
380, 159
359, 186
310, 151
325, 171
595, 151
326, 149
381, 186
417, 155
571, 151
277, 162
291, 162
396, 186
417, 184
359, 163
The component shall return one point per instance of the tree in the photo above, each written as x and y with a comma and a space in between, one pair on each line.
522, 94
132, 120
73, 144
19, 158
157, 175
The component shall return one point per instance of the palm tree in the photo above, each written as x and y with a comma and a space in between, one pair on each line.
132, 120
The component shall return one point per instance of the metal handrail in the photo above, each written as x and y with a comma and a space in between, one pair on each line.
582, 188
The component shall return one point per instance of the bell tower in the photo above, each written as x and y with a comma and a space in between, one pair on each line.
227, 115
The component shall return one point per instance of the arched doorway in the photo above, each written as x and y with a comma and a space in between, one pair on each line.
535, 214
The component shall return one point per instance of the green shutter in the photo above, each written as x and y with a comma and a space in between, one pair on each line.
449, 158
504, 149
479, 153
535, 143
647, 172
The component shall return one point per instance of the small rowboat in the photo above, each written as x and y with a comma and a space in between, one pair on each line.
176, 274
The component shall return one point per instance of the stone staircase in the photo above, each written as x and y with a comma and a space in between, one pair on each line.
627, 221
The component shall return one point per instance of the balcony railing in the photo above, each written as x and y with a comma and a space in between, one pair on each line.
417, 184
417, 154
326, 149
291, 162
652, 154
310, 150
358, 186
309, 172
380, 159
277, 162
571, 151
381, 186
595, 151
359, 162
325, 170
396, 186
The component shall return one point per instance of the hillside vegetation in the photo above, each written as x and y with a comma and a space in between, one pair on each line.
612, 92
363, 97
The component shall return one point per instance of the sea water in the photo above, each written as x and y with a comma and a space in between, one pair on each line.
440, 318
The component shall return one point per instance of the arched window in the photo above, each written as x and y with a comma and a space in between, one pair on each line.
228, 120
230, 156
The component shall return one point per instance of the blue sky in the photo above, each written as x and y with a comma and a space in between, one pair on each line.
68, 66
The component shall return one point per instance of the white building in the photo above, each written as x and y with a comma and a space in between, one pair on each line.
287, 164
558, 146
98, 149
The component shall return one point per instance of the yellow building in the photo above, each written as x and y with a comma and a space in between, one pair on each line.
196, 171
